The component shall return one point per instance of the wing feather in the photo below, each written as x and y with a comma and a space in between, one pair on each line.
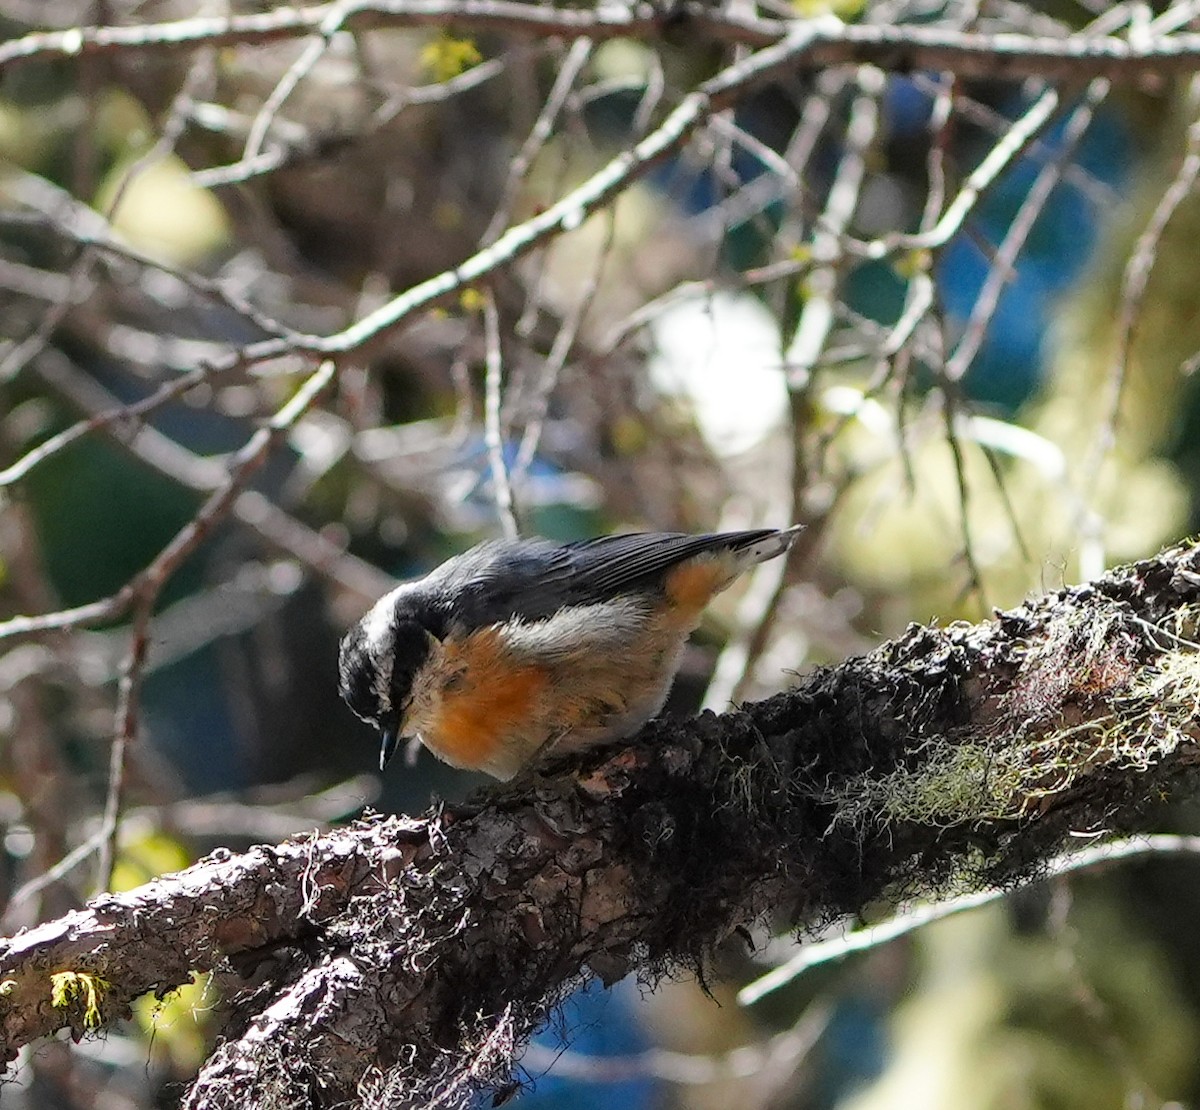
609, 565
535, 578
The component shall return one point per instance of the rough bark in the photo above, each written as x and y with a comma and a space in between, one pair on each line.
402, 961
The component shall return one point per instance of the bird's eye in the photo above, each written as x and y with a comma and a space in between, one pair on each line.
453, 682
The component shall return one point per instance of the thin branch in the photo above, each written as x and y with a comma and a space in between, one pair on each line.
767, 584
543, 127
823, 281
119, 414
1003, 266
296, 72
203, 474
125, 734
1019, 135
252, 29
900, 47
61, 213
16, 353
783, 1052
254, 815
493, 429
815, 953
951, 402
1134, 281
29, 281
295, 149
571, 211
967, 109
566, 215
686, 291
564, 340
149, 581
560, 351
815, 113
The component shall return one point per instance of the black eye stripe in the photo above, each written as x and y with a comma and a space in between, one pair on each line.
357, 671
409, 651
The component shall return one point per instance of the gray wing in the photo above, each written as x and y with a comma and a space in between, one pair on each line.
611, 565
535, 578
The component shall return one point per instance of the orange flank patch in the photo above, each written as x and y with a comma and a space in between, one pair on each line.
495, 700
691, 585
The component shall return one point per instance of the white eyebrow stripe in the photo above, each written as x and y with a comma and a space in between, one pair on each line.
377, 624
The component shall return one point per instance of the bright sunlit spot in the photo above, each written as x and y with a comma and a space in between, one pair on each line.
720, 354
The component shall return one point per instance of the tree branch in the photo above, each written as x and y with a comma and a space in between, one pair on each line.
894, 47
406, 959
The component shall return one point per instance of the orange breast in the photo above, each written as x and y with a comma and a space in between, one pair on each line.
494, 702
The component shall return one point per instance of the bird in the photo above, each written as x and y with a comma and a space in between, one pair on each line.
517, 649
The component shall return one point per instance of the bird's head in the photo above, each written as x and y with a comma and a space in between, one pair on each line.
379, 660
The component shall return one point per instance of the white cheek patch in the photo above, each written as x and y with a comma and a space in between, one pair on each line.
378, 628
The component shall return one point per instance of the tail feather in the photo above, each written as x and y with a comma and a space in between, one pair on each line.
772, 545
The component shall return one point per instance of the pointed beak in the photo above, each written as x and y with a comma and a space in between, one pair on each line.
387, 747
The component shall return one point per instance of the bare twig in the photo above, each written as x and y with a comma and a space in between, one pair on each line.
564, 340
125, 734
148, 582
1003, 265
783, 1052
493, 428
203, 474
816, 318
17, 353
291, 150
556, 359
968, 109
767, 583
1134, 281
249, 815
906, 47
543, 127
63, 215
814, 953
296, 72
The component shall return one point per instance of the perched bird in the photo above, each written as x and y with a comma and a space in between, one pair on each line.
518, 648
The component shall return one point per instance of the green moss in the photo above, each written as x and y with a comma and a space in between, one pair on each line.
1041, 753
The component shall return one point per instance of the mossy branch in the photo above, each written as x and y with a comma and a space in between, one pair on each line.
402, 961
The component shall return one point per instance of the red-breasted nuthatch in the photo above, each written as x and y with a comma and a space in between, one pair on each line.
518, 648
